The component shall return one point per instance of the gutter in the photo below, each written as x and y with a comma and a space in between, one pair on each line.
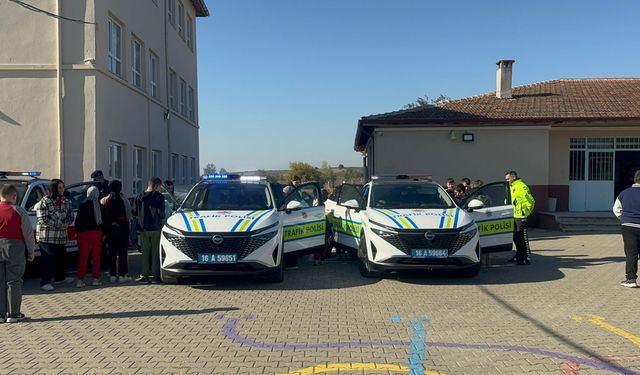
60, 92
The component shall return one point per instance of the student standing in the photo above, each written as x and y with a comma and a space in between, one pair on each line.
150, 210
53, 217
90, 232
16, 240
627, 209
117, 215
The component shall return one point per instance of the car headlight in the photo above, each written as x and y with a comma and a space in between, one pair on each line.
170, 232
470, 229
385, 232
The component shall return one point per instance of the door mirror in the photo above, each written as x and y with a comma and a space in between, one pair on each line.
474, 204
293, 206
352, 203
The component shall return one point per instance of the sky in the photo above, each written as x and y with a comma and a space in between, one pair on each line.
287, 80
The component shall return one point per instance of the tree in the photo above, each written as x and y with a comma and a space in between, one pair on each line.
327, 177
209, 168
354, 176
340, 166
305, 171
425, 102
223, 171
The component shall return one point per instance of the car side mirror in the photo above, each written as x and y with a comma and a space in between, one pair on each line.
293, 206
474, 204
352, 203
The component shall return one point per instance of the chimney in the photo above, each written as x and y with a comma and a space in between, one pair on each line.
503, 79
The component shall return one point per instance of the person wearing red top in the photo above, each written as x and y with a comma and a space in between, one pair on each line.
16, 241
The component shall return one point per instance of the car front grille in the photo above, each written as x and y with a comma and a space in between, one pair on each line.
240, 245
451, 240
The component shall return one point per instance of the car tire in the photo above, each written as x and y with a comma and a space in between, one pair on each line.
166, 279
365, 267
277, 275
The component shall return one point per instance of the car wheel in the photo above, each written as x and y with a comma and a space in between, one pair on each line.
365, 265
277, 275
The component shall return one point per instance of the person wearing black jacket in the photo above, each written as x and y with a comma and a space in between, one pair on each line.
117, 216
89, 226
149, 207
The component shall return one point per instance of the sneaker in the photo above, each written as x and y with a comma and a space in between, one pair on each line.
80, 284
629, 283
47, 287
113, 279
15, 318
525, 262
124, 279
67, 280
513, 260
153, 280
142, 279
96, 282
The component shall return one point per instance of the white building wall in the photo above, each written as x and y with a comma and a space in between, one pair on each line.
493, 152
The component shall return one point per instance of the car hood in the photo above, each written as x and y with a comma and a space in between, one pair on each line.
222, 221
420, 218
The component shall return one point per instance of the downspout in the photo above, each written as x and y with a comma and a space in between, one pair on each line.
167, 112
60, 93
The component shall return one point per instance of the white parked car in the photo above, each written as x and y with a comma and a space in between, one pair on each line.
230, 224
403, 223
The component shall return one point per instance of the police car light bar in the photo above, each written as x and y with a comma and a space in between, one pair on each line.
215, 177
27, 174
252, 178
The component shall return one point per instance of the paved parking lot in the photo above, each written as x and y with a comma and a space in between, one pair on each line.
564, 314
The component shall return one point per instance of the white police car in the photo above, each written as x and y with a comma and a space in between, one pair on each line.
231, 224
403, 223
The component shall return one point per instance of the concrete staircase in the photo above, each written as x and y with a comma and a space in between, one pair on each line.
595, 222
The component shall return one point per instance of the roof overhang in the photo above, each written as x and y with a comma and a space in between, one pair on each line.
367, 126
201, 8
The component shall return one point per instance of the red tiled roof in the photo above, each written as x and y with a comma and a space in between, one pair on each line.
557, 100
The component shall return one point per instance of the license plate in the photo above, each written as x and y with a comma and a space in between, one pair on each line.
217, 258
429, 253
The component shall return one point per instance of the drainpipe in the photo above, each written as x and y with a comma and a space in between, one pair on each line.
167, 112
60, 92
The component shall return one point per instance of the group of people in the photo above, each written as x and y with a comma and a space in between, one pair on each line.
461, 190
102, 222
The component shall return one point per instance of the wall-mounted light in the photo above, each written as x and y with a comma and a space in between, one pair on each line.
167, 114
452, 135
467, 137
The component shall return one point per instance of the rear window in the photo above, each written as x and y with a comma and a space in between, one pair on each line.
229, 196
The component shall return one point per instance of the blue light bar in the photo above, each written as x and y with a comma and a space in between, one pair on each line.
215, 177
31, 174
26, 174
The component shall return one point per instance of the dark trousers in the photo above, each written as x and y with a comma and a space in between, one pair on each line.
12, 265
118, 244
521, 240
53, 261
631, 238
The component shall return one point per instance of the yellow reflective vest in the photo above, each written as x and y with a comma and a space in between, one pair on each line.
521, 199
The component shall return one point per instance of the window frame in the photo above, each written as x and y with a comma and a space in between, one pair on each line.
156, 163
181, 19
189, 32
174, 167
173, 90
154, 62
192, 100
115, 153
171, 11
183, 97
184, 169
193, 170
138, 169
137, 76
114, 62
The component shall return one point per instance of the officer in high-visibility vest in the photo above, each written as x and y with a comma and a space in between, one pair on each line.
523, 204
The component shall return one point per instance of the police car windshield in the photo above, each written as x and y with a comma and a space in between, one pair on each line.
21, 186
407, 196
229, 196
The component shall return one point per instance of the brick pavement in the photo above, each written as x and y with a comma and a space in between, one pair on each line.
520, 319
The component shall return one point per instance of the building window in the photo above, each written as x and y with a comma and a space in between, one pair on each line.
192, 99
153, 75
138, 170
136, 63
171, 11
116, 167
183, 97
193, 170
190, 32
156, 163
180, 19
173, 88
115, 47
185, 170
174, 167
